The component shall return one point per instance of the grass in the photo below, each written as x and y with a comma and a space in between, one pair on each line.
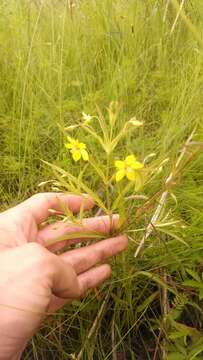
57, 62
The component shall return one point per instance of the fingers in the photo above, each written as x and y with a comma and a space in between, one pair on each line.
39, 204
83, 274
84, 258
87, 281
93, 278
65, 283
101, 224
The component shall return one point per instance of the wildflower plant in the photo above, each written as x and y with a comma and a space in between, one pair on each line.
118, 178
112, 177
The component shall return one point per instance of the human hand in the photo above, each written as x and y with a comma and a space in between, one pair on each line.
35, 281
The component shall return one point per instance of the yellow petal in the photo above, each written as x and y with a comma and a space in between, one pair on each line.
119, 164
81, 146
70, 139
136, 165
68, 146
120, 175
130, 159
76, 155
130, 175
85, 155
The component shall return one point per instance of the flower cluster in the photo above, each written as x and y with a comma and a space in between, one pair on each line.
129, 167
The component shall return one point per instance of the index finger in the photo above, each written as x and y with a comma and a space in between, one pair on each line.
86, 257
40, 204
58, 234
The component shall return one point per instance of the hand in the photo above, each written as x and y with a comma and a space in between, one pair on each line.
35, 281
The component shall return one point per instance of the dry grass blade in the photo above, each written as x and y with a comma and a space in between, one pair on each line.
163, 196
177, 16
95, 324
166, 10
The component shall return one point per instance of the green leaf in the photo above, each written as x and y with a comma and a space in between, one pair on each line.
198, 348
98, 170
96, 136
194, 274
176, 335
175, 356
75, 235
175, 236
192, 283
103, 125
156, 279
121, 195
201, 294
79, 185
147, 302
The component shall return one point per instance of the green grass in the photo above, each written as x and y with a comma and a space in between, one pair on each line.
56, 63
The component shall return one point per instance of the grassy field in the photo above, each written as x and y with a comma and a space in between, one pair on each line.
59, 60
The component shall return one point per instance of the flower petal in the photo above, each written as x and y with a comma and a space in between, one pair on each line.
68, 146
120, 175
130, 159
131, 175
136, 165
76, 155
70, 139
81, 146
85, 155
119, 164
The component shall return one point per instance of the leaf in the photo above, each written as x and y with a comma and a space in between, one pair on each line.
194, 274
79, 184
147, 302
175, 356
95, 135
198, 348
174, 199
113, 111
121, 196
116, 140
74, 236
175, 236
156, 279
176, 335
192, 283
103, 125
201, 294
98, 170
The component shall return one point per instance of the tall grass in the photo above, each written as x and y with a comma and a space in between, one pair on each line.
57, 61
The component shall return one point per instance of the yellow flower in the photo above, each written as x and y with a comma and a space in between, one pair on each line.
77, 149
128, 167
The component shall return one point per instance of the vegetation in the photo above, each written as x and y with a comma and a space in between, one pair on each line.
62, 58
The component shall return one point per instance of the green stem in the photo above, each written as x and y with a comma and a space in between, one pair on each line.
107, 185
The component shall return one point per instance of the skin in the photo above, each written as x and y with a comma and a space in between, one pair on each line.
34, 280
